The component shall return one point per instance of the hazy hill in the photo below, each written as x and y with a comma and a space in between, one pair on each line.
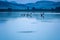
6, 5
37, 5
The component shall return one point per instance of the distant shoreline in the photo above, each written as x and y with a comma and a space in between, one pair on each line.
27, 11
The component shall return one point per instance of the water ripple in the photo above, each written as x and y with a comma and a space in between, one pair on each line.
26, 31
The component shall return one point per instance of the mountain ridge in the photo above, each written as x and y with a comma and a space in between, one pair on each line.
37, 5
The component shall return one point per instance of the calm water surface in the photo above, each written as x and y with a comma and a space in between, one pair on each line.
29, 26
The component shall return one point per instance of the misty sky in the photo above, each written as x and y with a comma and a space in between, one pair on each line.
30, 1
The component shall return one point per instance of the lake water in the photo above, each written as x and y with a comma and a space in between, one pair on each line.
29, 26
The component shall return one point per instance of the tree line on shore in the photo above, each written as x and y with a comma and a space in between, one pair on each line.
57, 9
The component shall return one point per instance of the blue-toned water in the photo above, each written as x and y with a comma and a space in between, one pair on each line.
29, 26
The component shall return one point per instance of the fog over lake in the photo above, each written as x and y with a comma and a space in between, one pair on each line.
29, 26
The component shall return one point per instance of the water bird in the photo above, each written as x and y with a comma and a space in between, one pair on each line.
42, 14
29, 14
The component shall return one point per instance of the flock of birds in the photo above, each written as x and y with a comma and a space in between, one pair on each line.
41, 14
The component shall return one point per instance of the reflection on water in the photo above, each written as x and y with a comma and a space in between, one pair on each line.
29, 26
25, 31
37, 15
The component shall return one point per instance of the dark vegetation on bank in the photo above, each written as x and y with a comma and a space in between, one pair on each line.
57, 9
